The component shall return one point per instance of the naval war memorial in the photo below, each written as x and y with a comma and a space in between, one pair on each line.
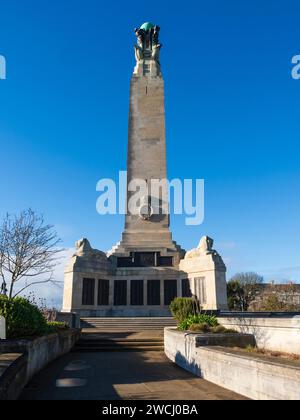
147, 269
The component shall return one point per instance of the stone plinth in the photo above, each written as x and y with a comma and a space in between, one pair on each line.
207, 275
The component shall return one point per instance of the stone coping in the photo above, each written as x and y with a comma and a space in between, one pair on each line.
23, 345
12, 373
272, 360
6, 360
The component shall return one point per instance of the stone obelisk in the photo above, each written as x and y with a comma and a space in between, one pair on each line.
147, 229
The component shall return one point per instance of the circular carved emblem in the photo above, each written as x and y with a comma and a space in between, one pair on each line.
146, 212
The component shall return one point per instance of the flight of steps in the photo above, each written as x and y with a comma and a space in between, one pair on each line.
122, 334
127, 324
118, 345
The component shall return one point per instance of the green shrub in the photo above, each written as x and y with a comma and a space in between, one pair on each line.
219, 329
251, 349
230, 331
210, 320
202, 328
22, 318
181, 308
205, 327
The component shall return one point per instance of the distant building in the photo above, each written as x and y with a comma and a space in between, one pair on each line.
287, 294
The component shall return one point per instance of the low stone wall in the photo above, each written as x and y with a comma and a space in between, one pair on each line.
181, 346
12, 373
35, 355
277, 332
250, 376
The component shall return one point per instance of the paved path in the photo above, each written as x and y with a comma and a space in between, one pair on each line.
120, 375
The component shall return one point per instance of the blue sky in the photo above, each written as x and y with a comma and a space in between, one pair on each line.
232, 118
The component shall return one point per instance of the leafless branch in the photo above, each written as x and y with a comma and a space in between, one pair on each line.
28, 248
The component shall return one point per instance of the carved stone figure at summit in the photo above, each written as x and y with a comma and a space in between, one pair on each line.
84, 249
205, 247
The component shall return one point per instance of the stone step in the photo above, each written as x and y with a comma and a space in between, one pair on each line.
95, 324
85, 325
97, 343
125, 319
126, 324
120, 321
134, 321
103, 349
146, 320
98, 338
129, 328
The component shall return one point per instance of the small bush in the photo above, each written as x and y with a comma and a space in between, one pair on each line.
219, 329
181, 308
203, 328
251, 349
22, 318
206, 328
210, 320
230, 331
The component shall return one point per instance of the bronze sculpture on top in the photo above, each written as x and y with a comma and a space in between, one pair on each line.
148, 46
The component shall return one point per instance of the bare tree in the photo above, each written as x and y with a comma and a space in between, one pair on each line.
242, 290
28, 250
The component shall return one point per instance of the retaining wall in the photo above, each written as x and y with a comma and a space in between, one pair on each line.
251, 376
32, 356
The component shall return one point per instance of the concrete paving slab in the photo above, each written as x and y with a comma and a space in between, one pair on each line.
120, 376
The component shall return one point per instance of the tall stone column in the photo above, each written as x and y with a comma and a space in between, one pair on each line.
148, 229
